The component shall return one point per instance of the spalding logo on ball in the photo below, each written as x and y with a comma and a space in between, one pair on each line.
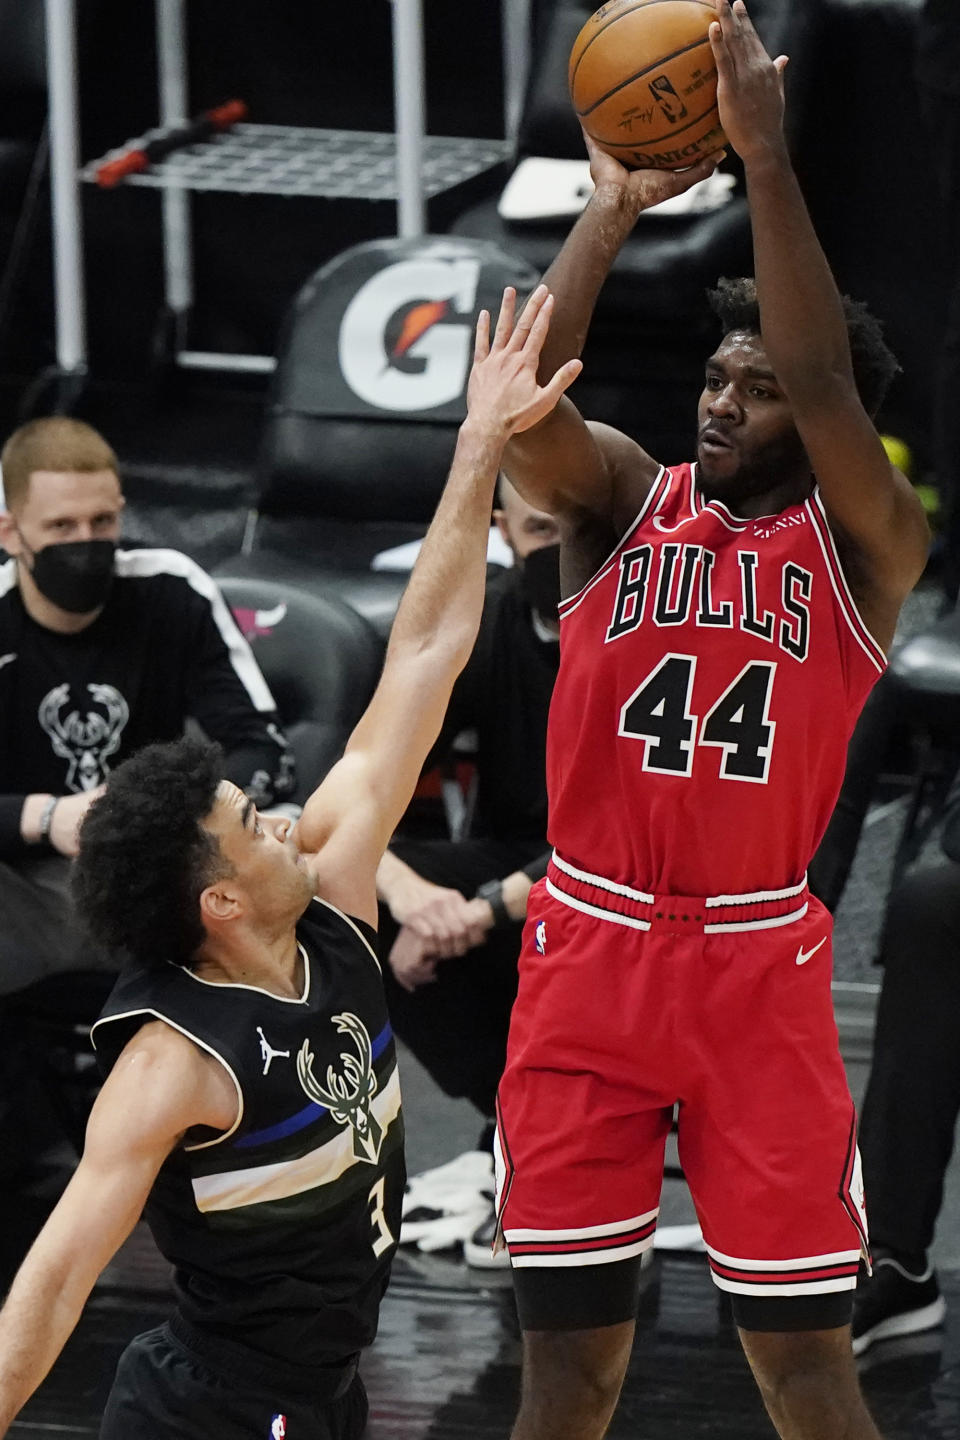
644, 83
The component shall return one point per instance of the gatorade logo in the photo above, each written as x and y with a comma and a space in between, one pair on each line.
402, 345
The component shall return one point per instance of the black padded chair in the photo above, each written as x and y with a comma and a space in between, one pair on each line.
320, 659
50, 1021
365, 405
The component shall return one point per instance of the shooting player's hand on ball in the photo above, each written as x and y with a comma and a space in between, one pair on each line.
641, 189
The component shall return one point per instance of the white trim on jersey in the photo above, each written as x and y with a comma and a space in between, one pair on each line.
353, 926
260, 989
8, 577
570, 603
838, 580
596, 910
148, 1010
600, 881
145, 564
230, 1189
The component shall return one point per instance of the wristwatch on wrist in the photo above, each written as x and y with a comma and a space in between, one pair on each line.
492, 892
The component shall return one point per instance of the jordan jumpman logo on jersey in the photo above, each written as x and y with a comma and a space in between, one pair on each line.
267, 1052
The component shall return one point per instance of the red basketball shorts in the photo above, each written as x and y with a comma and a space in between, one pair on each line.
630, 1005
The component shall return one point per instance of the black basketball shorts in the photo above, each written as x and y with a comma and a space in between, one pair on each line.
163, 1391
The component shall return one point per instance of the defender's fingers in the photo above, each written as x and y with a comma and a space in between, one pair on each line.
505, 319
540, 322
528, 316
481, 339
563, 379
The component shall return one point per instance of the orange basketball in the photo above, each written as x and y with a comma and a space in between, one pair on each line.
644, 83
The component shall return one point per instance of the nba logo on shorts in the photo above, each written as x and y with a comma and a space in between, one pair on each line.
278, 1427
540, 937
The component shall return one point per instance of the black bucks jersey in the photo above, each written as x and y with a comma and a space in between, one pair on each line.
282, 1230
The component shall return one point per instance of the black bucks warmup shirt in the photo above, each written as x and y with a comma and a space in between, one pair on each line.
282, 1231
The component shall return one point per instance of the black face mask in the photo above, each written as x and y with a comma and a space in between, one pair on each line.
541, 581
76, 575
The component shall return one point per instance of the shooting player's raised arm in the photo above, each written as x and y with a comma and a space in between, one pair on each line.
564, 465
874, 511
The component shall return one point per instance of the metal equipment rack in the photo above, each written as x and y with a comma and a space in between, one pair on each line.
406, 166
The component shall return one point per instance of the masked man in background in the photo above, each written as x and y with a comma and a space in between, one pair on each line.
102, 650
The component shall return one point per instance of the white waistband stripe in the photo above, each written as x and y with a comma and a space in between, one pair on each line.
600, 882
596, 910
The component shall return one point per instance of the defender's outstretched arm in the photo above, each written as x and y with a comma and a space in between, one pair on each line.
173, 1087
349, 820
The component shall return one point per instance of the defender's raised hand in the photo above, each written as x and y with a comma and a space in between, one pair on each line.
502, 392
749, 85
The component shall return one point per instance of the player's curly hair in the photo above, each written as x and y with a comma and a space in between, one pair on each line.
734, 302
144, 857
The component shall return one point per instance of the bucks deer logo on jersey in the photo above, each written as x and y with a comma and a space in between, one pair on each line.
347, 1095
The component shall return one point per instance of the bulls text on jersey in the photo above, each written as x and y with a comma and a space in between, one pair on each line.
678, 578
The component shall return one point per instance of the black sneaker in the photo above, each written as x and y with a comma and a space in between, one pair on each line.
893, 1301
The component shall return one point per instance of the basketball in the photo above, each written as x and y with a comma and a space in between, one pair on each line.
644, 83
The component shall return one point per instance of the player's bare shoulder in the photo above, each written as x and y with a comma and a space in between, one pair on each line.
172, 1081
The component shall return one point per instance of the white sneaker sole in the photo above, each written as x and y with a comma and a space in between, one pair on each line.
481, 1257
909, 1322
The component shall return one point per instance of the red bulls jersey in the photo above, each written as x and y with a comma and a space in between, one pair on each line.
710, 676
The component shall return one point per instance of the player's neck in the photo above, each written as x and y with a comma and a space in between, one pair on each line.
244, 957
792, 491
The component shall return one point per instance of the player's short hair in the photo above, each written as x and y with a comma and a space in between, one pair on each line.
145, 857
734, 302
55, 442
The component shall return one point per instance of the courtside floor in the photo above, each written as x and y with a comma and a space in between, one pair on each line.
446, 1364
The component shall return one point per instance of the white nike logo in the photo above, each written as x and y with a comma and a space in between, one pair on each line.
670, 529
6, 659
804, 955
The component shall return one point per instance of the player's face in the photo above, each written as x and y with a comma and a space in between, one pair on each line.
266, 864
748, 448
